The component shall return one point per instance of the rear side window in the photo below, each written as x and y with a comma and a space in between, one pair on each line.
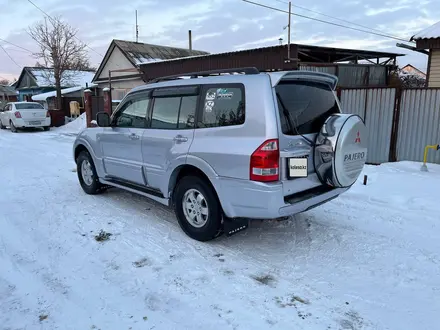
223, 105
174, 112
309, 104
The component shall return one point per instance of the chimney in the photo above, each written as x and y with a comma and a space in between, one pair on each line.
190, 39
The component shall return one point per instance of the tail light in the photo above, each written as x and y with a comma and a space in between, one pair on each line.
17, 114
47, 114
265, 162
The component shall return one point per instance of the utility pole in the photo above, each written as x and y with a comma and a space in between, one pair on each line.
137, 27
288, 31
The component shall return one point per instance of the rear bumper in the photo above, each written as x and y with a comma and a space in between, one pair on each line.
248, 199
22, 123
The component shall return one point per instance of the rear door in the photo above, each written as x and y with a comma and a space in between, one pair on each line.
32, 113
121, 142
304, 102
165, 144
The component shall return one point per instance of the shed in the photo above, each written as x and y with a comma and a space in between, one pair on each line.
344, 63
429, 39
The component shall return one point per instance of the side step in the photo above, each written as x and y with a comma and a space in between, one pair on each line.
154, 195
235, 225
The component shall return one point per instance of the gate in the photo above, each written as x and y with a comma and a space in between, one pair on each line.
400, 122
97, 105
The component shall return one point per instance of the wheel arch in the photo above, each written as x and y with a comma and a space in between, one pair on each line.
187, 170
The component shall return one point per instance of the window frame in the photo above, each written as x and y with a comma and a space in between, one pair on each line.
171, 92
204, 90
143, 94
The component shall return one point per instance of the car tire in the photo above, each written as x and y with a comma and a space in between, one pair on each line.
2, 126
194, 194
87, 176
13, 128
46, 128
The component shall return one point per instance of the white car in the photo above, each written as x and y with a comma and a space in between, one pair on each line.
18, 115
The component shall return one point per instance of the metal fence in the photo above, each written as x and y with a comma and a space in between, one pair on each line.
419, 124
376, 107
401, 122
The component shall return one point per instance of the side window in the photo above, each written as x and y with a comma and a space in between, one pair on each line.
174, 112
187, 112
223, 107
133, 113
165, 112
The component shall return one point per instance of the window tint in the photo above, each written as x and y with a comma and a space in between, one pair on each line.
165, 112
174, 112
187, 112
309, 104
133, 113
223, 107
24, 106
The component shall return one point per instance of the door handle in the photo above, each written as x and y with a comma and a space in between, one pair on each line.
134, 136
179, 138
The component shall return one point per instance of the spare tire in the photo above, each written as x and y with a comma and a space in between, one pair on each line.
341, 150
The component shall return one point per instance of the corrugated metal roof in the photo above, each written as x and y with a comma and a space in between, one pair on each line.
44, 77
141, 53
431, 32
8, 90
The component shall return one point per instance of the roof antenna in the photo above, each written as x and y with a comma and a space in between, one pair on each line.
137, 27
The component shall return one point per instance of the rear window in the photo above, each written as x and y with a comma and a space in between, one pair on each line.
24, 106
308, 103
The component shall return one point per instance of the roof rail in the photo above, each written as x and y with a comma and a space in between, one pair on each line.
246, 70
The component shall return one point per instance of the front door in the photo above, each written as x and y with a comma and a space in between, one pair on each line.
121, 142
166, 143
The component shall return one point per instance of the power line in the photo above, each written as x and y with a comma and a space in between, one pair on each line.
323, 21
10, 57
336, 18
10, 43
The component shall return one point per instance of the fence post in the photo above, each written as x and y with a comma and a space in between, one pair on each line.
107, 100
392, 157
88, 106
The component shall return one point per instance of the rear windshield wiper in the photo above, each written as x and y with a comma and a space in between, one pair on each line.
292, 126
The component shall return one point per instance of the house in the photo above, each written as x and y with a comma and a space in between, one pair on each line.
8, 93
412, 70
37, 80
429, 39
120, 66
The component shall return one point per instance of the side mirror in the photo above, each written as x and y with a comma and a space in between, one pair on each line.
103, 119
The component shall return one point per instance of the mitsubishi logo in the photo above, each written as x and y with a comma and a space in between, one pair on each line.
358, 138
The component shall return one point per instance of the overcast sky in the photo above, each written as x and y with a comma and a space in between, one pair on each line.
217, 25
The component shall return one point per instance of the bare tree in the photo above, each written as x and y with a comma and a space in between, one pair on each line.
4, 82
59, 50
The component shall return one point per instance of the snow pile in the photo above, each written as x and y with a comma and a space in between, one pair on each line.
75, 126
367, 260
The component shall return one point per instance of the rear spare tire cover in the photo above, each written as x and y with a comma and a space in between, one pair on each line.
341, 150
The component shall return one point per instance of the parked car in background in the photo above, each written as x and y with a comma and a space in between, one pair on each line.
19, 115
222, 148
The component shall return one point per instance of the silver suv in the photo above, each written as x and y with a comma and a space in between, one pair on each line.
226, 146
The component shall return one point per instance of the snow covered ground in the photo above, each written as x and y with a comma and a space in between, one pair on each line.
368, 260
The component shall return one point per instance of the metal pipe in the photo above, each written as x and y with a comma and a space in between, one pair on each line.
190, 39
288, 31
425, 156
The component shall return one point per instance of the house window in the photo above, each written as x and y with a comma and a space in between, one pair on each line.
119, 93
